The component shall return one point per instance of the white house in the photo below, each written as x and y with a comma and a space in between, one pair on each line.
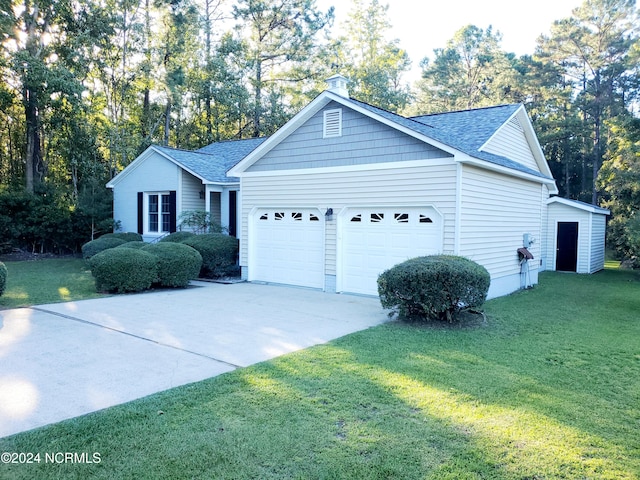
151, 193
345, 190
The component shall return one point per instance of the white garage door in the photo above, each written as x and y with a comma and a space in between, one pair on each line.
375, 239
288, 247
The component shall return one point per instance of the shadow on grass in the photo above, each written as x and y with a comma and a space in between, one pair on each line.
548, 388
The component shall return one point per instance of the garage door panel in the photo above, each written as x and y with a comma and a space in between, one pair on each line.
381, 238
288, 247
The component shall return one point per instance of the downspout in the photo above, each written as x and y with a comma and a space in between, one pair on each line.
458, 213
590, 243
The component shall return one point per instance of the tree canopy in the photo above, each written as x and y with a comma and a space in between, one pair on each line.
87, 85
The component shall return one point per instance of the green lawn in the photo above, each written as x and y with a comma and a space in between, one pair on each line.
47, 281
547, 388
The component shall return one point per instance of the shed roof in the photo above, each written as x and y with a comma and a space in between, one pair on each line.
579, 205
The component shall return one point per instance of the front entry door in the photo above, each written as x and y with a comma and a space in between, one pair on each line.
567, 247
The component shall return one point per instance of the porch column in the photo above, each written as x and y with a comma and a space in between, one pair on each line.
207, 198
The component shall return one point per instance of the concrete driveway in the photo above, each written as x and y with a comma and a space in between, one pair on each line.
62, 360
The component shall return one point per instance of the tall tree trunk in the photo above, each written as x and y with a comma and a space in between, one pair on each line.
257, 112
167, 123
145, 121
207, 86
597, 130
33, 158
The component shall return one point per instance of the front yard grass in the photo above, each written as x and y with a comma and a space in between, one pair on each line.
53, 280
547, 388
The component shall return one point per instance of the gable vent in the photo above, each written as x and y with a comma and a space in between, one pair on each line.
332, 123
515, 123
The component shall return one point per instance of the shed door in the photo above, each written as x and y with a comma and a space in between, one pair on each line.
288, 247
375, 239
567, 247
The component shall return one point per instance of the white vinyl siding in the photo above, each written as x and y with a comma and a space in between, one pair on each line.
598, 235
191, 188
154, 174
496, 211
511, 142
591, 236
216, 204
420, 185
564, 213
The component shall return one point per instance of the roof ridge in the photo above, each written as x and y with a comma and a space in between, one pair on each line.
411, 119
199, 150
465, 110
182, 150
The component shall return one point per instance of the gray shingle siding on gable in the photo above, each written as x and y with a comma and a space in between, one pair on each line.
363, 141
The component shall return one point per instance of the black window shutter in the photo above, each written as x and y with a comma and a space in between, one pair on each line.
172, 211
140, 213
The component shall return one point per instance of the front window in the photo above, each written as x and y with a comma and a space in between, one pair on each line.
159, 213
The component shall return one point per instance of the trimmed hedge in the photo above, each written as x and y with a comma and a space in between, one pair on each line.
177, 237
433, 287
177, 263
135, 244
219, 254
124, 270
3, 278
94, 247
126, 236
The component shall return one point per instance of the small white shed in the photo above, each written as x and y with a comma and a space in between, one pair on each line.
575, 236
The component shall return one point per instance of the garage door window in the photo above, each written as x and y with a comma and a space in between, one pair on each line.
287, 246
374, 239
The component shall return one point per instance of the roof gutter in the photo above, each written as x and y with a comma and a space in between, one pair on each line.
507, 171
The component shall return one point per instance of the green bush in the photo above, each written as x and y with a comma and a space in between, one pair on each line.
219, 254
126, 236
134, 244
200, 221
3, 278
177, 237
124, 270
94, 247
433, 287
177, 263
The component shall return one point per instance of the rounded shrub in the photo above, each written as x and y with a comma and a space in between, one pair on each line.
124, 270
177, 237
177, 263
219, 254
98, 245
137, 245
433, 287
126, 236
3, 278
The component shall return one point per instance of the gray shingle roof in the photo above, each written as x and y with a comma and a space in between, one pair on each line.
465, 130
212, 162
